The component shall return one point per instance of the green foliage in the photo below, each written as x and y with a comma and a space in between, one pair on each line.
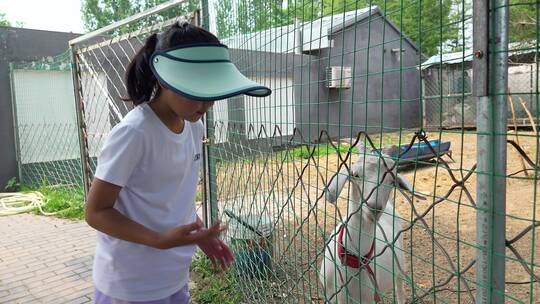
224, 18
3, 20
523, 21
68, 202
304, 152
99, 13
240, 17
213, 285
304, 10
437, 27
12, 185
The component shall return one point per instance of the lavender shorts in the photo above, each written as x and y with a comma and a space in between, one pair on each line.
180, 297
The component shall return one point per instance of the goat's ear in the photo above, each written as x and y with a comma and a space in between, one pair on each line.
403, 183
336, 185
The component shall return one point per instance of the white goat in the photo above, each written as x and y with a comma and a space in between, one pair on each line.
349, 267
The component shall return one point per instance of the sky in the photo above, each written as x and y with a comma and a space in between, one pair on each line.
51, 15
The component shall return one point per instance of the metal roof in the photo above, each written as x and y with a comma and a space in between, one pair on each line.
314, 34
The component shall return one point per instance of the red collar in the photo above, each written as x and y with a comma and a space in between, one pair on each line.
353, 261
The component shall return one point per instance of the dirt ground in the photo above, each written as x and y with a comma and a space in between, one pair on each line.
291, 193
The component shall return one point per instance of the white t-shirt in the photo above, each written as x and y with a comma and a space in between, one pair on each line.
158, 171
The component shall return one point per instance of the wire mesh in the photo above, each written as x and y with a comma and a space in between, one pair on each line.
447, 83
45, 122
395, 76
401, 72
101, 64
101, 61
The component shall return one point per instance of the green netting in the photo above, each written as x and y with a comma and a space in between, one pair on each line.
46, 130
60, 62
398, 77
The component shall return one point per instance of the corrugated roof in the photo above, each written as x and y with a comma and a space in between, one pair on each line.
448, 58
314, 34
467, 56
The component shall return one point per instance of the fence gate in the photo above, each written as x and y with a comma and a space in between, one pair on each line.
461, 128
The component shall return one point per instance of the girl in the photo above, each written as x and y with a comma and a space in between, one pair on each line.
142, 197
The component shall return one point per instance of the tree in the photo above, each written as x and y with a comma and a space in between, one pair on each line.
304, 10
100, 13
235, 17
523, 21
431, 24
225, 24
3, 20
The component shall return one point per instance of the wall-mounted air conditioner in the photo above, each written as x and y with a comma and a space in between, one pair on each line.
338, 77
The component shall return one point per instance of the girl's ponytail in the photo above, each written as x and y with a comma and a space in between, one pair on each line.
141, 83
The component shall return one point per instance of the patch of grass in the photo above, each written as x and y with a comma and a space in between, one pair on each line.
304, 152
388, 139
12, 185
213, 285
68, 202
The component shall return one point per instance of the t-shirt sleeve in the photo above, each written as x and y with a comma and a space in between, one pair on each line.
120, 154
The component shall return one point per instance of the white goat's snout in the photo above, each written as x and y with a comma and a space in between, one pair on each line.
370, 171
336, 185
366, 174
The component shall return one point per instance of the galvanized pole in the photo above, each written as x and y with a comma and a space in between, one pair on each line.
209, 179
18, 156
81, 127
490, 88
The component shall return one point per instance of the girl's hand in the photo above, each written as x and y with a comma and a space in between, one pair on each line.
193, 233
218, 252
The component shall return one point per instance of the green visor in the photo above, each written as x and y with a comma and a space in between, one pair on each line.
203, 72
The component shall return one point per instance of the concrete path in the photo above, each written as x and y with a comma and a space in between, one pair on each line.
45, 260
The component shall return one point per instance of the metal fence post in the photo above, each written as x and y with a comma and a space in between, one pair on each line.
490, 88
80, 121
209, 178
18, 155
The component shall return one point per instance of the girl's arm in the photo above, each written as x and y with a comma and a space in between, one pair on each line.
101, 215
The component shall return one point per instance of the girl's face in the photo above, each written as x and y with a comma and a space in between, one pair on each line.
183, 107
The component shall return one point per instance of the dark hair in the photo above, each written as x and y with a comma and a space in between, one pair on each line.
141, 84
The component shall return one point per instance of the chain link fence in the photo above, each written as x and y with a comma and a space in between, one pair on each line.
364, 74
447, 81
344, 73
45, 122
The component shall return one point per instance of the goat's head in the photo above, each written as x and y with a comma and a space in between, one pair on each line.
373, 177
